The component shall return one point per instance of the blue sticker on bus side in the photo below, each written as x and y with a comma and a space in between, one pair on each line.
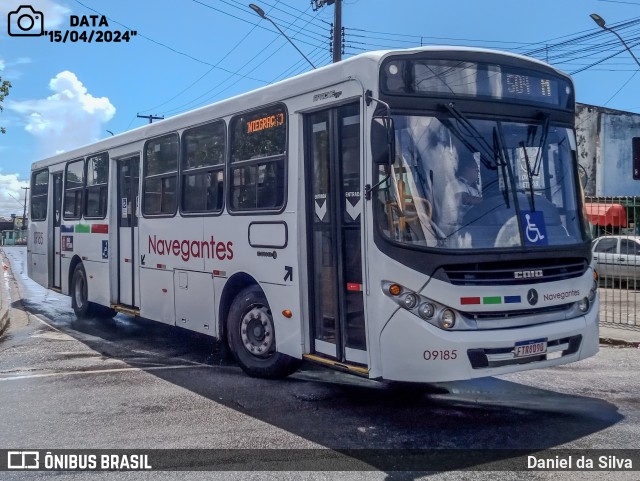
535, 230
105, 249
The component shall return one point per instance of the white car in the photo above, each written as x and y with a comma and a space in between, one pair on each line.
618, 258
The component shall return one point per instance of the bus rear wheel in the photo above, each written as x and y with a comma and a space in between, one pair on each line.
80, 297
251, 336
79, 293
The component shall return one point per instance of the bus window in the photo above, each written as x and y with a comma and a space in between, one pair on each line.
73, 187
203, 168
258, 149
97, 186
39, 191
161, 176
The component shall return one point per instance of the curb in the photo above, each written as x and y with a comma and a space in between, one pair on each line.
4, 298
619, 342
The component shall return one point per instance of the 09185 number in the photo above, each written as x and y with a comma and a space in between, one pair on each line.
440, 355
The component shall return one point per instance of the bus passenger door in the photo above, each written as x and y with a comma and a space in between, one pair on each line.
55, 238
128, 279
334, 213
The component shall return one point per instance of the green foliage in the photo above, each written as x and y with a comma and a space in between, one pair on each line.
5, 85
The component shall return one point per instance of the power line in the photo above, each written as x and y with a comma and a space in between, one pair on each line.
218, 88
622, 87
208, 71
204, 62
619, 1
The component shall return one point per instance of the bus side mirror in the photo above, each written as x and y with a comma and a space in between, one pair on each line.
382, 141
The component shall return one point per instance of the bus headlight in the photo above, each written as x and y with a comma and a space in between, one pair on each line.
447, 319
426, 310
583, 304
410, 301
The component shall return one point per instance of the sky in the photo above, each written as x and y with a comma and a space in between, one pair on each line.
189, 53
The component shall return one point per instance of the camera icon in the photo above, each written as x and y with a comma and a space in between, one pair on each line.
26, 22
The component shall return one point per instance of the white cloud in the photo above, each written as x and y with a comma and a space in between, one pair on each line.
69, 118
11, 195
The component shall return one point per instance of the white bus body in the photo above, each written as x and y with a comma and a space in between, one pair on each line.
195, 222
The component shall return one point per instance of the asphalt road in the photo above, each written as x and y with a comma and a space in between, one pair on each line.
127, 384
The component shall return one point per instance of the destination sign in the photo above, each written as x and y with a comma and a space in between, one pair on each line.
264, 123
486, 81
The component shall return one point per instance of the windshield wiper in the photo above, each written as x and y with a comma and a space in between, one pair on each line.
534, 171
481, 145
499, 153
542, 145
530, 174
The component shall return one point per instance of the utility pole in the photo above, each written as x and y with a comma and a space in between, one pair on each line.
150, 117
337, 25
24, 212
337, 31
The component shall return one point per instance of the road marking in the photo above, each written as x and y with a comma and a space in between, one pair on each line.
99, 371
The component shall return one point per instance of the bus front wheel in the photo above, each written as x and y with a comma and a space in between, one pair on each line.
251, 336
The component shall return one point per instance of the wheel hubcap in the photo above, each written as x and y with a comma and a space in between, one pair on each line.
256, 331
80, 292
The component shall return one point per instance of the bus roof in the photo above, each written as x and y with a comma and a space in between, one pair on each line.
304, 83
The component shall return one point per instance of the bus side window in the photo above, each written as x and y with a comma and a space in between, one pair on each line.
160, 176
258, 155
73, 189
95, 197
39, 194
202, 175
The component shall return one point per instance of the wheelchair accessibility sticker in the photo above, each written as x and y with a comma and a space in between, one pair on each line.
535, 230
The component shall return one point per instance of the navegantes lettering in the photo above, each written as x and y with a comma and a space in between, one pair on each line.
561, 295
191, 249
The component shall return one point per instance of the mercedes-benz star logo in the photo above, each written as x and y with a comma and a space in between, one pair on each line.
532, 297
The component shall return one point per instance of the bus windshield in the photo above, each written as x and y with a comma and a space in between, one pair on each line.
460, 183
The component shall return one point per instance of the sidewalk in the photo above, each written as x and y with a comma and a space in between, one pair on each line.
619, 335
613, 334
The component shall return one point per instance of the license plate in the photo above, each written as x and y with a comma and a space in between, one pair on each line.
534, 347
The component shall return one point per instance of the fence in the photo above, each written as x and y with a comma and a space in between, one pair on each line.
616, 250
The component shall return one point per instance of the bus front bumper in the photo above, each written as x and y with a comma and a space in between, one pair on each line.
413, 350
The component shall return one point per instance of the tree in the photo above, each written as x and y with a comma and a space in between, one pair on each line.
5, 85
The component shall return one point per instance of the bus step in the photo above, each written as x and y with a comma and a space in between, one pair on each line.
341, 366
129, 311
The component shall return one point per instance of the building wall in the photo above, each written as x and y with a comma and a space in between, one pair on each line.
588, 141
604, 138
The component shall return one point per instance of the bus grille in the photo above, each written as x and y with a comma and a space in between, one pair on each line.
516, 272
488, 358
506, 315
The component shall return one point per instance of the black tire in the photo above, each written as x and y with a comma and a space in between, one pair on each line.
251, 336
79, 293
80, 297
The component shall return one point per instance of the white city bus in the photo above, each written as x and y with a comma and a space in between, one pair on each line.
406, 215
